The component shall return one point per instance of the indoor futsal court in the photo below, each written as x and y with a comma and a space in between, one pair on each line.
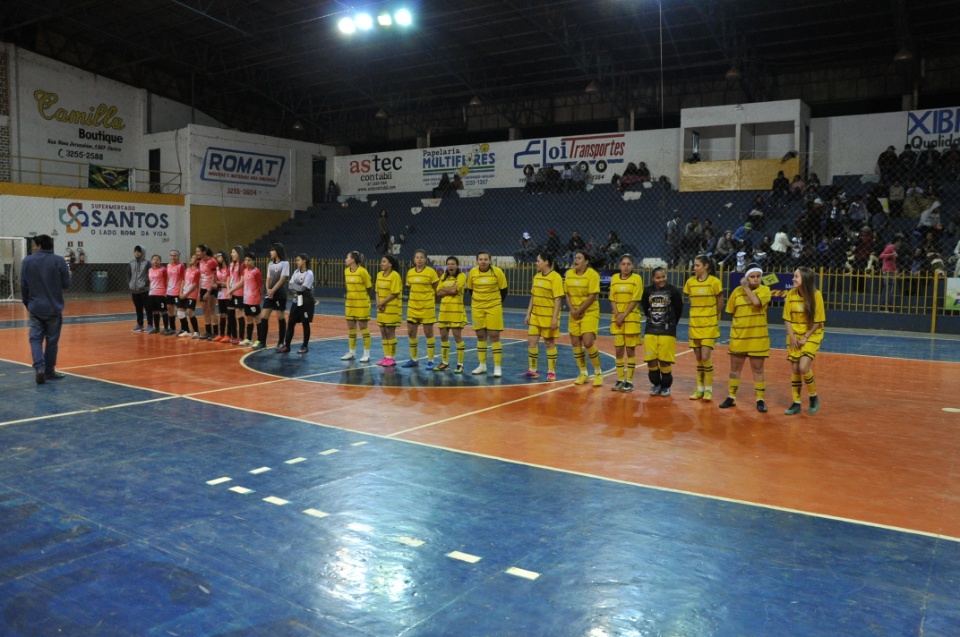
175, 487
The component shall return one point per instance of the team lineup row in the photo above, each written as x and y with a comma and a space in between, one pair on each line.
246, 301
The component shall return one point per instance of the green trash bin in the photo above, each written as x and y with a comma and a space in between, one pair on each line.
100, 280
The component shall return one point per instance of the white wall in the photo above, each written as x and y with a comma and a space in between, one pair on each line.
167, 115
850, 145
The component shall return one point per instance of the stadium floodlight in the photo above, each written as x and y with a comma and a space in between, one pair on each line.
347, 25
403, 17
384, 19
364, 21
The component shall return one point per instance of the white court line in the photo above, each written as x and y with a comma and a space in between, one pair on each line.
88, 411
143, 360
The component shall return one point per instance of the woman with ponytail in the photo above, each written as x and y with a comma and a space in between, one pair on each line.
803, 316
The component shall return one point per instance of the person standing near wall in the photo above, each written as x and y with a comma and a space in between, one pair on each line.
383, 229
139, 284
43, 278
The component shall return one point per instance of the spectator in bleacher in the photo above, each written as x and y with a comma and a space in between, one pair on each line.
895, 196
950, 162
457, 183
643, 172
529, 179
692, 234
725, 247
835, 219
743, 236
928, 162
809, 258
674, 241
813, 183
333, 191
906, 162
798, 187
887, 163
863, 247
781, 186
857, 212
566, 177
630, 177
576, 243
612, 249
527, 251
553, 245
757, 212
551, 179
443, 187
383, 230
888, 269
836, 251
930, 221
581, 176
780, 250
708, 243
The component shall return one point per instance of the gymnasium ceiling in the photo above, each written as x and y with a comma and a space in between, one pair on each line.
264, 65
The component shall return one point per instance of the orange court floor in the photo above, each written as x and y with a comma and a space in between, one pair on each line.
883, 450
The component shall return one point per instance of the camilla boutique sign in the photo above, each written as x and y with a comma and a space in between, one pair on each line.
100, 116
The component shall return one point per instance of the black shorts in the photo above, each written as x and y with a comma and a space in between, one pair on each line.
223, 305
251, 310
156, 303
302, 313
236, 302
203, 293
187, 304
276, 303
172, 301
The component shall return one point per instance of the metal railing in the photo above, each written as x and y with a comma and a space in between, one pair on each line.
24, 169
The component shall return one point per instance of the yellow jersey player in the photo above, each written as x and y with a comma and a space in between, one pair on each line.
389, 295
453, 316
749, 336
582, 287
357, 307
543, 316
625, 289
421, 306
662, 304
706, 302
488, 287
803, 316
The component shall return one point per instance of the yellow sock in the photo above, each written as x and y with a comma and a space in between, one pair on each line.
734, 385
594, 355
482, 352
461, 350
552, 359
352, 339
760, 387
811, 385
708, 375
431, 347
620, 369
532, 355
444, 351
390, 348
631, 367
414, 346
796, 382
497, 353
700, 376
365, 333
580, 359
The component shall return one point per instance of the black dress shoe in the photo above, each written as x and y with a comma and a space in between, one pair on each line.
41, 377
54, 376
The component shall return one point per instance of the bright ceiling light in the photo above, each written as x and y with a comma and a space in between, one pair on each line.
364, 21
347, 26
403, 17
384, 19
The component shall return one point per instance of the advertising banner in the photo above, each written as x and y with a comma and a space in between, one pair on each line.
937, 127
951, 299
479, 166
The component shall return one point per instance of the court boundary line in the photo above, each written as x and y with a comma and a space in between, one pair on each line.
89, 411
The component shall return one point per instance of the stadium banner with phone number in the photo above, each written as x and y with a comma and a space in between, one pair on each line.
951, 299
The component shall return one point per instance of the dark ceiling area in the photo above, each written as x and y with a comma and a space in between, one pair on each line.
281, 67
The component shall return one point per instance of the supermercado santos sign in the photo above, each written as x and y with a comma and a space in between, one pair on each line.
493, 165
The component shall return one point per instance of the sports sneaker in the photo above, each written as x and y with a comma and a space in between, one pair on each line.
410, 363
793, 409
150, 330
707, 394
655, 390
618, 386
529, 374
458, 370
209, 336
366, 356
697, 395
761, 406
814, 404
349, 356
138, 328
183, 334
551, 376
627, 387
481, 369
598, 380
258, 345
665, 391
581, 379
283, 349
195, 335
729, 402
389, 362
382, 361
234, 341
303, 350
441, 367
430, 364
245, 343
497, 372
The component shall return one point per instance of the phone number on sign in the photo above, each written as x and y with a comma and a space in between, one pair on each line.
79, 154
241, 191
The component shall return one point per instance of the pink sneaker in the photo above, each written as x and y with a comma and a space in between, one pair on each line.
551, 376
382, 361
390, 363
